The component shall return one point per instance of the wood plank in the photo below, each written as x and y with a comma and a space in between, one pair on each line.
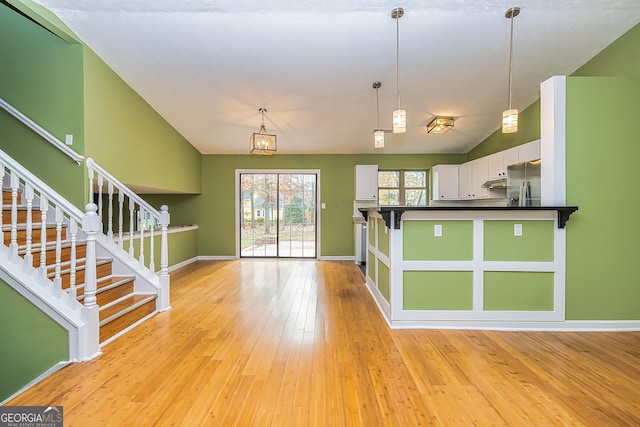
301, 342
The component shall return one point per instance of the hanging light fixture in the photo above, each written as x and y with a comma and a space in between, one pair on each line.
510, 116
399, 116
378, 134
440, 125
262, 142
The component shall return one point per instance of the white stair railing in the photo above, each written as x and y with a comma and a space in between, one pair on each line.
63, 218
136, 221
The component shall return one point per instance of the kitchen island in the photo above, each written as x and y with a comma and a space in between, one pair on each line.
468, 267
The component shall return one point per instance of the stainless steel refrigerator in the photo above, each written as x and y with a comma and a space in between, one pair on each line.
523, 184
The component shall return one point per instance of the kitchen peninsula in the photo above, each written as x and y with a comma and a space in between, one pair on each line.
467, 267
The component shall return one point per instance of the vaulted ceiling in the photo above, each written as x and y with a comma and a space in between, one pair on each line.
208, 66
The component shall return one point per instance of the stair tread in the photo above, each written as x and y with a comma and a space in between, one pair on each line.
65, 266
35, 226
109, 312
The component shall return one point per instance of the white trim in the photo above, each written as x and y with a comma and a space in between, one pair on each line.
128, 328
337, 258
170, 230
182, 264
78, 158
567, 326
55, 368
216, 258
553, 115
238, 172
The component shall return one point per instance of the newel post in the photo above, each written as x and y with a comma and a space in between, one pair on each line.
90, 225
163, 297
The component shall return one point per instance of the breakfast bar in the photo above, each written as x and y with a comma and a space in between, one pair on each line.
467, 267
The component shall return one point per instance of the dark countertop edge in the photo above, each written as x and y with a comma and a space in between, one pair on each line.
564, 212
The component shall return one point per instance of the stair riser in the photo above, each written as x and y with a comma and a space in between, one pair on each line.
22, 216
6, 197
65, 255
114, 293
103, 270
35, 236
123, 322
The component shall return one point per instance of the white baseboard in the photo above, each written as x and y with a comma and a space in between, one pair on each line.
216, 258
566, 326
336, 258
182, 264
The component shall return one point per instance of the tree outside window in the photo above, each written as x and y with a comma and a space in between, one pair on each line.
402, 187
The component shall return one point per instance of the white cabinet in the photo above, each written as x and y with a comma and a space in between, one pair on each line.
498, 162
367, 182
445, 182
529, 151
471, 176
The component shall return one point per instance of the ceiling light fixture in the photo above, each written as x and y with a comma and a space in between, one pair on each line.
510, 116
399, 116
440, 125
262, 142
378, 134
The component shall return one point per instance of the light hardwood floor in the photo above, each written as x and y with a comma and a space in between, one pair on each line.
300, 342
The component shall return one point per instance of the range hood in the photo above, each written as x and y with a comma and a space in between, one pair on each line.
495, 183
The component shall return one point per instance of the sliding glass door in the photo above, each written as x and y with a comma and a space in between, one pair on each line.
278, 215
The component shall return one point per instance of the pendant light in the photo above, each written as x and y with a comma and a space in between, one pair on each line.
399, 116
510, 116
262, 142
378, 134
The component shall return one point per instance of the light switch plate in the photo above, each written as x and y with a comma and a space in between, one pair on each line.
324, 206
68, 139
517, 229
437, 230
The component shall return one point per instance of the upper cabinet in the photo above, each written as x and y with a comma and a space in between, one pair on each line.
471, 176
498, 162
366, 182
445, 182
529, 151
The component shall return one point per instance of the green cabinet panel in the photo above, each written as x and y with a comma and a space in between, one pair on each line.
383, 280
438, 290
535, 243
371, 258
383, 237
518, 291
420, 242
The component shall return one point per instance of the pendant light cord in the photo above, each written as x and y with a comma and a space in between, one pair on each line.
510, 57
378, 108
398, 59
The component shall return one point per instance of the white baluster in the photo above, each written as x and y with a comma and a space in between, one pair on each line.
90, 173
131, 207
100, 182
120, 211
1, 208
110, 221
73, 231
91, 225
13, 245
44, 208
164, 259
141, 225
57, 280
28, 257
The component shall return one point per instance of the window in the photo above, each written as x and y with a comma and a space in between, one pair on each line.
402, 187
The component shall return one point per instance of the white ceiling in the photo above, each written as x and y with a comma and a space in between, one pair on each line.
208, 66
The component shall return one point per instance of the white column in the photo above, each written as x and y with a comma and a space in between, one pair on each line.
163, 297
91, 225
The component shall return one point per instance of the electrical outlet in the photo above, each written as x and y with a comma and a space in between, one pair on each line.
68, 140
517, 229
437, 230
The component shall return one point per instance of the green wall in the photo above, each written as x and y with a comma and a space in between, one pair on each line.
130, 139
32, 343
603, 237
620, 58
41, 75
214, 210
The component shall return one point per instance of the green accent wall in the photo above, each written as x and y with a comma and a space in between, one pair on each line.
518, 291
371, 272
130, 139
383, 280
619, 59
603, 237
535, 244
182, 247
32, 343
41, 75
456, 242
214, 210
383, 237
438, 290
